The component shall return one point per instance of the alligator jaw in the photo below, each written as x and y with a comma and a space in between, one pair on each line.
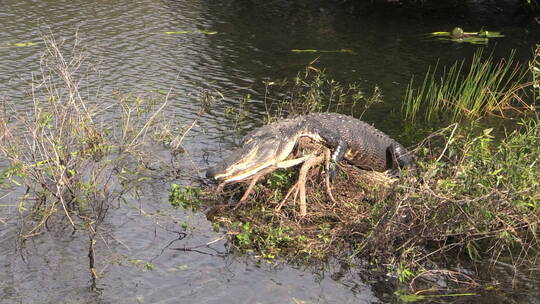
252, 158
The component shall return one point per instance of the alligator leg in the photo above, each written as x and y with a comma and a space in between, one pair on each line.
281, 165
302, 178
299, 188
254, 180
327, 178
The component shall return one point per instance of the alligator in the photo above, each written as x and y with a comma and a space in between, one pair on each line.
347, 137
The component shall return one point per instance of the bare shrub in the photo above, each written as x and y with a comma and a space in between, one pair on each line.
71, 164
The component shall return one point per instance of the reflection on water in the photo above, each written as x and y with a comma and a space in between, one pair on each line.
53, 268
130, 52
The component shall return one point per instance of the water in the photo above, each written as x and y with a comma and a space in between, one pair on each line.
128, 47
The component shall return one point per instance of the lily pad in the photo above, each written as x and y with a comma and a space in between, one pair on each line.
205, 32
471, 40
458, 35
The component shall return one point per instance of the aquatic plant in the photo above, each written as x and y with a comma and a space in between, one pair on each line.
460, 36
486, 87
185, 196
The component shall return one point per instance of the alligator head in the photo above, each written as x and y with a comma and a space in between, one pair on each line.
402, 158
256, 153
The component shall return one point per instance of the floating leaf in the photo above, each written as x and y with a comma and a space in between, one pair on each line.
206, 32
440, 34
23, 44
458, 35
19, 44
471, 40
409, 298
349, 51
487, 34
303, 51
178, 32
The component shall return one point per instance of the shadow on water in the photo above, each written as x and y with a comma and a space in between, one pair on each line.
127, 43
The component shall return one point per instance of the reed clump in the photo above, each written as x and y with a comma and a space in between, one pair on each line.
487, 87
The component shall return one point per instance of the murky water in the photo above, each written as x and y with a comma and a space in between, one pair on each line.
127, 45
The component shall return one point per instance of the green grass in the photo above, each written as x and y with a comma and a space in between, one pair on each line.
486, 87
534, 67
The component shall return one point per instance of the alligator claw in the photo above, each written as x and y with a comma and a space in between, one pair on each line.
393, 173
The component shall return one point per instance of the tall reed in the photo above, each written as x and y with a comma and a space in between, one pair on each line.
486, 87
534, 66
